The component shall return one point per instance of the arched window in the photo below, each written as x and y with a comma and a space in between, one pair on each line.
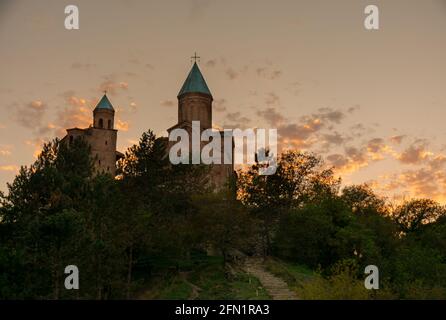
109, 124
101, 123
106, 142
71, 139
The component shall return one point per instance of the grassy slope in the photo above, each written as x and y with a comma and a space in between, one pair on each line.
206, 280
296, 276
311, 285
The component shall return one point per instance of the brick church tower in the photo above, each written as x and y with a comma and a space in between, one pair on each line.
101, 136
195, 100
195, 104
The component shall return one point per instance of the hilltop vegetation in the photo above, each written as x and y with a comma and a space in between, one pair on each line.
149, 233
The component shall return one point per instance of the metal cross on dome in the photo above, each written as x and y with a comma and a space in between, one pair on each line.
195, 57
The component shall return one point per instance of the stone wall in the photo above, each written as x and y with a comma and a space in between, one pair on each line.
103, 146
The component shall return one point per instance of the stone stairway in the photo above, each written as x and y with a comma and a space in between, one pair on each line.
276, 287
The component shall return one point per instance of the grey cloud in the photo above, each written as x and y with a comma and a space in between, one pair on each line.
375, 145
236, 120
167, 103
272, 99
31, 114
271, 116
231, 73
219, 105
337, 160
334, 139
415, 153
354, 108
267, 73
356, 154
82, 66
329, 114
211, 63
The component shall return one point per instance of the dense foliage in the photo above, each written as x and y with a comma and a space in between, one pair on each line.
155, 218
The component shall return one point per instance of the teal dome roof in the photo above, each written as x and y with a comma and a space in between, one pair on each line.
105, 104
195, 83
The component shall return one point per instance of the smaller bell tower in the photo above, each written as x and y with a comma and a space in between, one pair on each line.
103, 136
104, 114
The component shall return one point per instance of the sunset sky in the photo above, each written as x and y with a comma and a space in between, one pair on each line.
371, 103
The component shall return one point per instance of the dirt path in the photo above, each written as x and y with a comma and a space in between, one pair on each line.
276, 287
195, 289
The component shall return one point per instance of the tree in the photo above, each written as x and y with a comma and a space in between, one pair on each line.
104, 258
413, 214
41, 213
221, 223
362, 200
157, 202
146, 159
300, 178
304, 235
59, 239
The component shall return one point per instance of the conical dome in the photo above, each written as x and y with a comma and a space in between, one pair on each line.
195, 83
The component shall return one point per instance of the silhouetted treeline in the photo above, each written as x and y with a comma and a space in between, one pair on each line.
122, 232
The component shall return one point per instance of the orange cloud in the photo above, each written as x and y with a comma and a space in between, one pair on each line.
122, 125
355, 158
75, 101
5, 150
397, 139
123, 85
113, 86
77, 113
11, 168
351, 162
133, 106
307, 131
423, 182
37, 145
377, 149
415, 153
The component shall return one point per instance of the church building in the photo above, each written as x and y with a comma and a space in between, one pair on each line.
101, 136
194, 104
